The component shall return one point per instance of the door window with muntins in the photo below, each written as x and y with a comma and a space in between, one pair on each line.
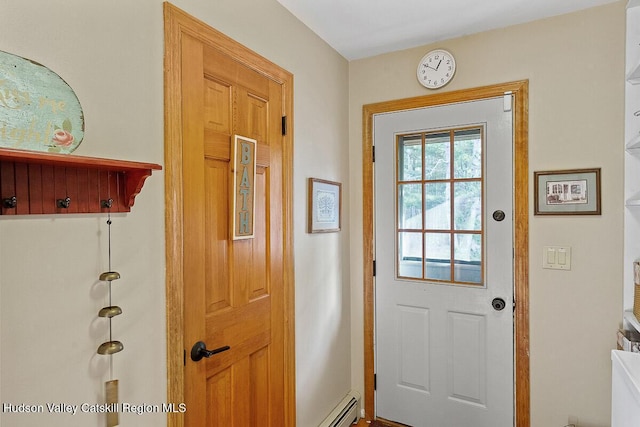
439, 188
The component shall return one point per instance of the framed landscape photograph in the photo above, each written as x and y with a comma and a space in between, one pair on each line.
567, 192
325, 203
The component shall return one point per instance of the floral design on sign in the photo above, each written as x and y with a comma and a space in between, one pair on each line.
38, 109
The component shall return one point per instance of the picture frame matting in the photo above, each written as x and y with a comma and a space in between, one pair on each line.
567, 192
324, 206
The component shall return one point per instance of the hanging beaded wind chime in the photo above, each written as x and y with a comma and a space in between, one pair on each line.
112, 346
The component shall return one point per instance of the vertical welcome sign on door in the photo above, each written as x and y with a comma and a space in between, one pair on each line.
243, 163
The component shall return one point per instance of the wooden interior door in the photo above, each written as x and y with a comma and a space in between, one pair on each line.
235, 293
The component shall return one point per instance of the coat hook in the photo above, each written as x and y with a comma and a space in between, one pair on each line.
107, 203
64, 203
10, 202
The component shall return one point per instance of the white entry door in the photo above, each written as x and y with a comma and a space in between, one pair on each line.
444, 265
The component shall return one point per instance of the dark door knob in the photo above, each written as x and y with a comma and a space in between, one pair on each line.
498, 304
498, 215
199, 350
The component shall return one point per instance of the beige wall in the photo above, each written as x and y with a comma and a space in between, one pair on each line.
111, 54
575, 67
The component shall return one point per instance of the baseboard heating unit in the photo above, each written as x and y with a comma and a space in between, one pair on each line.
346, 413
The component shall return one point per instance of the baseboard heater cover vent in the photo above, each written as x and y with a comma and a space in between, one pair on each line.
346, 413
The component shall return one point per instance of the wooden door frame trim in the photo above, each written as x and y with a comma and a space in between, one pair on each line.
520, 90
177, 23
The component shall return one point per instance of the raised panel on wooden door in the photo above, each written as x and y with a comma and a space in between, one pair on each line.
260, 385
219, 402
217, 106
260, 284
217, 247
251, 257
217, 118
254, 111
254, 116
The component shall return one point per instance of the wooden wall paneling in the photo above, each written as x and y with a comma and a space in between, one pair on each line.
59, 189
21, 185
35, 189
83, 190
48, 189
105, 192
117, 187
71, 178
7, 187
93, 189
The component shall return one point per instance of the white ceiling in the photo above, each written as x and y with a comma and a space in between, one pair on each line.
362, 28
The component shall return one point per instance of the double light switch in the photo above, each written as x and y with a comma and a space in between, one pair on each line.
557, 257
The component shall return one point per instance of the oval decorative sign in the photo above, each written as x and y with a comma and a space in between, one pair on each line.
38, 110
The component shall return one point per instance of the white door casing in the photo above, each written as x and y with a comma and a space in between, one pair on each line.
444, 355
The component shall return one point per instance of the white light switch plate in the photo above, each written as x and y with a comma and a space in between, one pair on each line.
556, 257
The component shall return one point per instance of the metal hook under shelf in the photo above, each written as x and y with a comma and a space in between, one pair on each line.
64, 203
10, 202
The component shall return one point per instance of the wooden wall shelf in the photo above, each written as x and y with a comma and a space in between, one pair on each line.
43, 183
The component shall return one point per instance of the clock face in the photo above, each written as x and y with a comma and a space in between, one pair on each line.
436, 69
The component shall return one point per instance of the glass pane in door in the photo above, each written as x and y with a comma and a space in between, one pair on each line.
439, 208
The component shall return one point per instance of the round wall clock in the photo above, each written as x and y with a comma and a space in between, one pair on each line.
436, 69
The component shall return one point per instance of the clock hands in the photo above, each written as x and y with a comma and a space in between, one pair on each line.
434, 69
